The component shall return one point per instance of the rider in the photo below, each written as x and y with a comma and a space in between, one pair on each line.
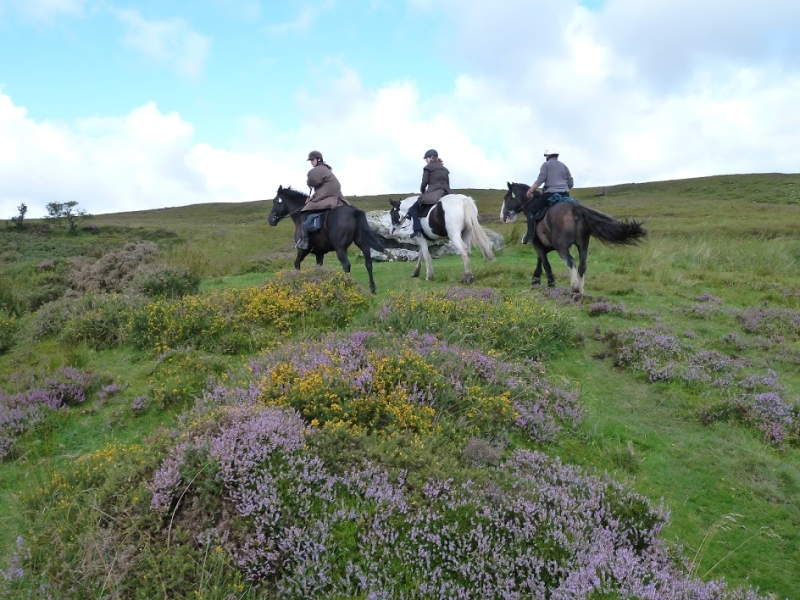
435, 184
327, 193
556, 178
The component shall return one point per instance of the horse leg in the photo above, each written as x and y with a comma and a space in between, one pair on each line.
583, 253
320, 257
418, 266
536, 280
301, 254
425, 253
457, 241
574, 278
365, 251
341, 254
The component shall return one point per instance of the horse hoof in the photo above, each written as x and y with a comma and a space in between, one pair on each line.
429, 278
536, 283
468, 279
415, 274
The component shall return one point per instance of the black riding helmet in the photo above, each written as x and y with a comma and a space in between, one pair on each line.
431, 154
315, 154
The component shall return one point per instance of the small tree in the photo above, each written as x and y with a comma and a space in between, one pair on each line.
72, 214
18, 220
68, 212
55, 212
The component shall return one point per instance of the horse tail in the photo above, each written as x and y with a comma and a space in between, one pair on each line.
368, 236
476, 231
610, 231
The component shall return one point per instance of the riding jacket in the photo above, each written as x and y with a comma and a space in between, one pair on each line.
555, 176
435, 182
327, 189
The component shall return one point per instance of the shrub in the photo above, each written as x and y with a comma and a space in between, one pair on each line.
114, 271
99, 320
481, 318
181, 375
8, 330
160, 281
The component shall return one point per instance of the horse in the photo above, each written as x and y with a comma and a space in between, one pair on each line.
564, 225
454, 217
341, 226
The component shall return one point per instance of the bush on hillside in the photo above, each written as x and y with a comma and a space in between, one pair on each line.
479, 317
8, 330
114, 271
161, 281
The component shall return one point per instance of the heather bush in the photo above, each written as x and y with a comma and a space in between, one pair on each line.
114, 271
482, 318
729, 391
160, 281
22, 410
774, 323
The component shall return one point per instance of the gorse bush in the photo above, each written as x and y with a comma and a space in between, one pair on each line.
293, 301
181, 375
414, 383
479, 317
8, 330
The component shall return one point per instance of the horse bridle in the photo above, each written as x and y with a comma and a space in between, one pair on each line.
524, 204
287, 214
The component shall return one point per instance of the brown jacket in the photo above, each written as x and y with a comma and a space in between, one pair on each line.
435, 182
327, 189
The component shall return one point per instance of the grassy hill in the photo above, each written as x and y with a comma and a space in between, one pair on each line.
683, 357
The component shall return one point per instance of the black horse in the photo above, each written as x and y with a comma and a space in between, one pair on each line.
564, 225
341, 226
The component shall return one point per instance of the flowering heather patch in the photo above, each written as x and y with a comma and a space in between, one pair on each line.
521, 328
755, 399
298, 530
21, 411
604, 308
776, 323
416, 383
224, 320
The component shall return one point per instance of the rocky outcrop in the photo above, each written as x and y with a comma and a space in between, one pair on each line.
403, 247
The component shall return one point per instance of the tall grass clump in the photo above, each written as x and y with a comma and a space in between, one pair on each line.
8, 330
481, 317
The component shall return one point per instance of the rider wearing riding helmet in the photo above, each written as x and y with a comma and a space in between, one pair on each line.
556, 178
435, 184
327, 192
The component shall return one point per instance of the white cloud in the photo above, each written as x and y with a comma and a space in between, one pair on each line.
43, 10
170, 41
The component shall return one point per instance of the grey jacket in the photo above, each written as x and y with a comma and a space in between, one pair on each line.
435, 182
555, 176
327, 189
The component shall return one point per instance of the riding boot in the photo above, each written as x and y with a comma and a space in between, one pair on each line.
528, 239
302, 243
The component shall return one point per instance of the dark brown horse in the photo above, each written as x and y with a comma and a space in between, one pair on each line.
567, 224
341, 226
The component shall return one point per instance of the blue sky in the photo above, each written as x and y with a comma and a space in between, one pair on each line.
131, 105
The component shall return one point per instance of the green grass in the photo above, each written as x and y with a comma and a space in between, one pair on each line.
733, 237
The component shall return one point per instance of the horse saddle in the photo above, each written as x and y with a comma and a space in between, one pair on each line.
424, 209
313, 223
554, 199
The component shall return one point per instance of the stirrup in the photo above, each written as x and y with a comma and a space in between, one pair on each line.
302, 244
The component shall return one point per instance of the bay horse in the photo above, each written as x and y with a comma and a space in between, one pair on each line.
454, 217
341, 226
564, 225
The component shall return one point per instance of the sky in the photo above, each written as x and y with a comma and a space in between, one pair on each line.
130, 105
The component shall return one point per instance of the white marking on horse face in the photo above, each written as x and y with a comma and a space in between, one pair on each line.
280, 200
503, 210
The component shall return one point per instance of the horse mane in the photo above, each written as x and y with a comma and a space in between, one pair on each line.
294, 194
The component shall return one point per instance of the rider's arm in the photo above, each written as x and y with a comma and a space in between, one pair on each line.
568, 175
542, 176
426, 177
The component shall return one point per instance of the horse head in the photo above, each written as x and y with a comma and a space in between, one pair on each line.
398, 213
286, 203
515, 201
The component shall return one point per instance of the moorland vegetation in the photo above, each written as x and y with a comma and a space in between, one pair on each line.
183, 415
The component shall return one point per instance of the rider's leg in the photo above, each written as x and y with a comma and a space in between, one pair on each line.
416, 224
302, 243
